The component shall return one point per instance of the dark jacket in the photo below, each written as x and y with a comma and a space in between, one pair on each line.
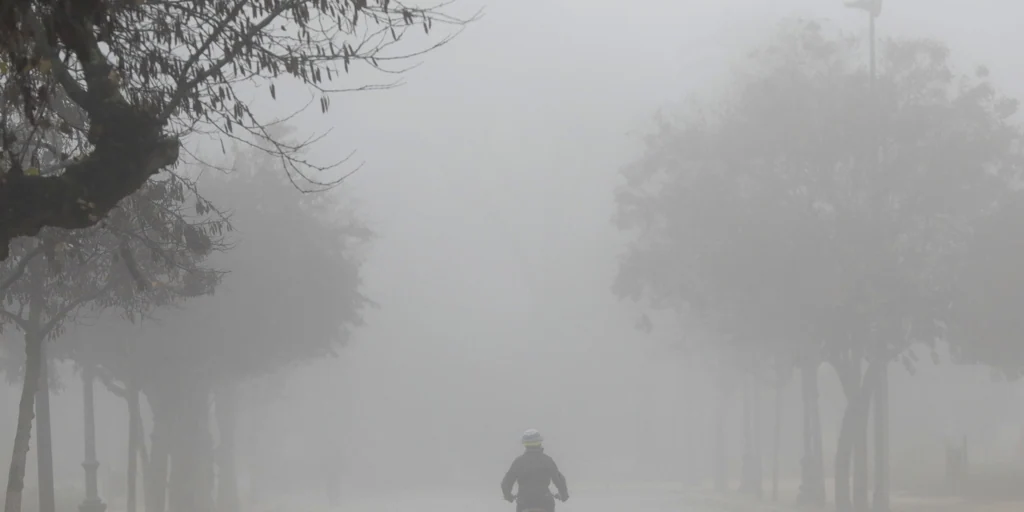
534, 471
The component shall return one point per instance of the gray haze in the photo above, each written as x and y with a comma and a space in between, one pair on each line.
489, 182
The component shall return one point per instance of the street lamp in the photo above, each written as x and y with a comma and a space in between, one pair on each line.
873, 8
881, 402
92, 502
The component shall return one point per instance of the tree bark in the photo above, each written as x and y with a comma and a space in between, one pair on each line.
134, 450
777, 441
860, 455
721, 415
692, 403
19, 457
756, 437
818, 443
135, 409
155, 474
844, 454
852, 433
191, 479
226, 404
751, 482
881, 496
812, 465
747, 457
44, 438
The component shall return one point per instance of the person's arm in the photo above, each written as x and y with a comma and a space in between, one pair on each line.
559, 481
510, 480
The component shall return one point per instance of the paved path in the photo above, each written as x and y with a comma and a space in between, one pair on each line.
582, 500
639, 498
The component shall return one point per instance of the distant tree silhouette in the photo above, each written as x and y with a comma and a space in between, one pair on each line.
291, 294
147, 253
772, 215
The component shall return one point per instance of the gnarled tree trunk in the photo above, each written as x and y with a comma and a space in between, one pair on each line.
19, 457
129, 149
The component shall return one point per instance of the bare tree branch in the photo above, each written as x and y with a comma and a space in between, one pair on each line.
19, 268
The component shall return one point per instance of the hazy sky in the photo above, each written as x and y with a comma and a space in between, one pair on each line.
489, 180
490, 175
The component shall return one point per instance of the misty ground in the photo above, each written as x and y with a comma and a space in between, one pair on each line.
655, 497
597, 500
495, 256
649, 497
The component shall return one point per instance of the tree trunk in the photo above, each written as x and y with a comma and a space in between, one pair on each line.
692, 403
155, 474
191, 479
226, 404
812, 485
131, 149
755, 433
861, 502
818, 444
881, 497
44, 436
135, 409
720, 464
751, 482
19, 457
92, 501
844, 454
777, 441
860, 456
746, 450
134, 440
853, 434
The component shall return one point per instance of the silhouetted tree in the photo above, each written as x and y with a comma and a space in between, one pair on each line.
986, 320
777, 211
144, 254
291, 294
143, 74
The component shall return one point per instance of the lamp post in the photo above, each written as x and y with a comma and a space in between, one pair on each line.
880, 501
873, 8
92, 502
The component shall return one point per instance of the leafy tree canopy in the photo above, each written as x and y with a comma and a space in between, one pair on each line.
808, 206
148, 253
291, 293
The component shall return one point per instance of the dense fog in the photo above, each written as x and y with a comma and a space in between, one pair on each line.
489, 185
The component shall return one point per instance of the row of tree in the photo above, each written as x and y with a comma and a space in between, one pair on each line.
128, 81
285, 268
811, 215
96, 98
